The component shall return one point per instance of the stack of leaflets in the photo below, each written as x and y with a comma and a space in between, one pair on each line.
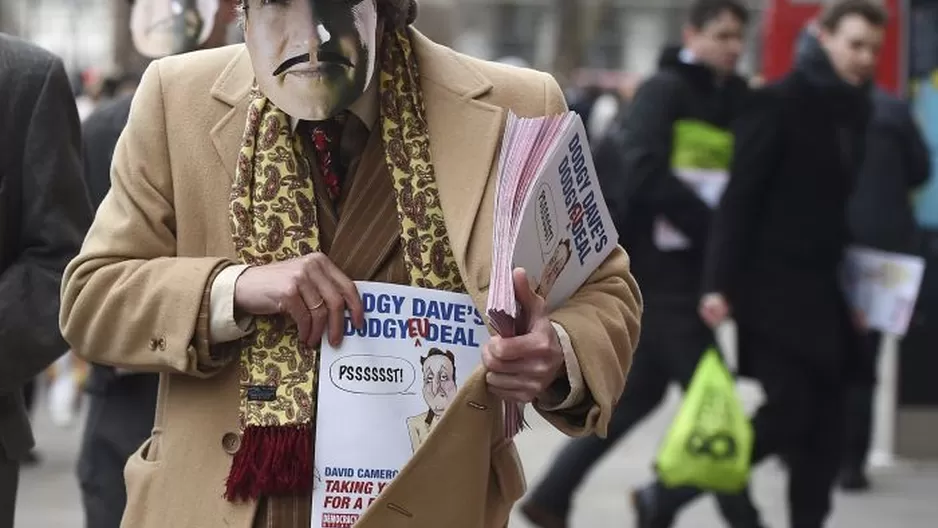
550, 219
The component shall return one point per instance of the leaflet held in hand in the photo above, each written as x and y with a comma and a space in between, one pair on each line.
883, 287
550, 219
385, 389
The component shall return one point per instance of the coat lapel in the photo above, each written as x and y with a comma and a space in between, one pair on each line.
232, 88
464, 138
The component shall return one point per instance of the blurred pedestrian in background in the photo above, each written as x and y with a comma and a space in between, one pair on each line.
44, 212
696, 88
776, 251
880, 216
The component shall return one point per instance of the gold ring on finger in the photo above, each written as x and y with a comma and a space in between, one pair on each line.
317, 306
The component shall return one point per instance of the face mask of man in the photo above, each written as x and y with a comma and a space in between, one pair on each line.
312, 58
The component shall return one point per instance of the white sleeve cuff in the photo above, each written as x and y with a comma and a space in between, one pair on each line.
224, 326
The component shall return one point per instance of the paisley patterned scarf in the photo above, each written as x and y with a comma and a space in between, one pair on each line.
273, 218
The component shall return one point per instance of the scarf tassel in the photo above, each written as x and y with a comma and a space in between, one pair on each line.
271, 461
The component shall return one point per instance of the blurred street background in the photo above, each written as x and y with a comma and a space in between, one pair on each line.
600, 51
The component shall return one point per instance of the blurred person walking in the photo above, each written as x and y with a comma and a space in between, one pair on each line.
696, 88
122, 405
44, 212
881, 216
776, 252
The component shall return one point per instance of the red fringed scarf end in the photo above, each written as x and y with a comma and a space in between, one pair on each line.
271, 461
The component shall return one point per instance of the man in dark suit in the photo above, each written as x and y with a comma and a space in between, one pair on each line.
44, 212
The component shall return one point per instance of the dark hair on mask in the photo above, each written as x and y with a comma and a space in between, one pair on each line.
702, 12
834, 12
395, 13
437, 352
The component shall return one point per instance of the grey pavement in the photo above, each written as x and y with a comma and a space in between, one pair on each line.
905, 495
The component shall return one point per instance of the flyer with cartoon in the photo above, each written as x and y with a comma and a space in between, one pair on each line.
883, 286
382, 392
550, 215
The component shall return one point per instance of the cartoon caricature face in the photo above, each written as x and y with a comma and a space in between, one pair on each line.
553, 269
439, 382
312, 58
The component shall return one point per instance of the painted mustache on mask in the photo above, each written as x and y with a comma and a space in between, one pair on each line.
323, 56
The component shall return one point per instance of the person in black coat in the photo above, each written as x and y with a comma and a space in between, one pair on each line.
881, 216
44, 212
777, 244
696, 88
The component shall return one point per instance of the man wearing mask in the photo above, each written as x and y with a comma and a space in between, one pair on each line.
44, 212
121, 403
251, 186
776, 251
656, 169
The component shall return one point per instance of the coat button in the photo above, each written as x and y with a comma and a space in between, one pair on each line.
161, 343
231, 442
154, 343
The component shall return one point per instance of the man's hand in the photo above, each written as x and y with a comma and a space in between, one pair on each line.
714, 309
310, 289
521, 368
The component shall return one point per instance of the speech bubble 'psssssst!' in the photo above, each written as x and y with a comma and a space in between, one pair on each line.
548, 231
378, 375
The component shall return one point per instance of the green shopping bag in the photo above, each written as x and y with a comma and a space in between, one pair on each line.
709, 444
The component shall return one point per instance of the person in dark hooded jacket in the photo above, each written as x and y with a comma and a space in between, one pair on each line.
778, 240
675, 132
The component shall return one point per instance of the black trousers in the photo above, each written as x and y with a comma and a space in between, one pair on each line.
9, 479
29, 395
801, 421
120, 418
672, 343
860, 396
